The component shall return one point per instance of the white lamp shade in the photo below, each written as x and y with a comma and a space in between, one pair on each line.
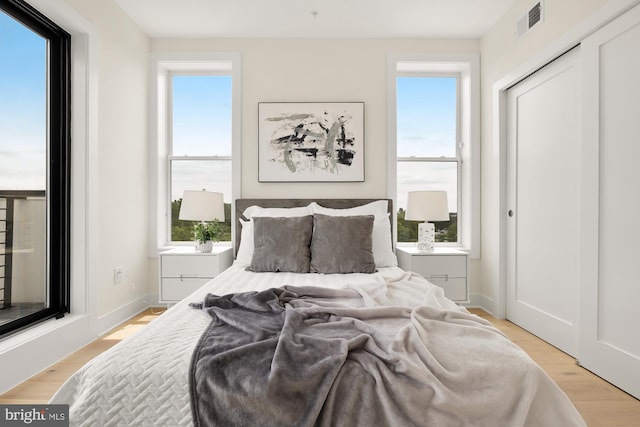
427, 206
202, 206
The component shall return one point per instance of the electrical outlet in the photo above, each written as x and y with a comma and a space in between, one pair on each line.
118, 274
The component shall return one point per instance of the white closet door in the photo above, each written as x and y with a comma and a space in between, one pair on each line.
543, 200
609, 313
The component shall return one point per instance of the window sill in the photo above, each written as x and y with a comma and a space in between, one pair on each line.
27, 335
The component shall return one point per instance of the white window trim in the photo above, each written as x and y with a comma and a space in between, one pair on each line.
468, 68
162, 65
460, 191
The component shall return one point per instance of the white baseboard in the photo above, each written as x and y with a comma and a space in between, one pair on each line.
484, 302
121, 314
153, 299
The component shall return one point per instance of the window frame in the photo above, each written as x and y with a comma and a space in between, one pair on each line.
171, 157
163, 65
467, 66
442, 159
58, 163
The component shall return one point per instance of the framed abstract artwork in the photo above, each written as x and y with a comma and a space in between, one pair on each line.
310, 141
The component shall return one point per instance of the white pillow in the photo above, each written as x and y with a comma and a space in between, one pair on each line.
378, 209
254, 210
245, 251
381, 234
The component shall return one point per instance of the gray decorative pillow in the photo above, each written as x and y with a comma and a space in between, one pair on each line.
342, 244
281, 244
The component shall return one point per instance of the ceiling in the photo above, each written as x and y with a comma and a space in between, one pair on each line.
458, 19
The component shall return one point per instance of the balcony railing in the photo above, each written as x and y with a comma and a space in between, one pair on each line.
7, 220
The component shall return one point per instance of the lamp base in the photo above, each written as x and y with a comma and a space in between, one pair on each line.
426, 236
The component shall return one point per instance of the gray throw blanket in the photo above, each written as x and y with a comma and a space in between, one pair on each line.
305, 356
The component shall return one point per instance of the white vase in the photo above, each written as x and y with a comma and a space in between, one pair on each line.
205, 247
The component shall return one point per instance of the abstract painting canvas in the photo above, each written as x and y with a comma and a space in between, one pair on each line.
311, 141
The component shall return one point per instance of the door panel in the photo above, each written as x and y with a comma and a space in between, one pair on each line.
609, 340
543, 194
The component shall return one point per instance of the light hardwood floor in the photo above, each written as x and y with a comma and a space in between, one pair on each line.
600, 403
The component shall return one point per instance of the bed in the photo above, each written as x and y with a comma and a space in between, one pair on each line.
314, 324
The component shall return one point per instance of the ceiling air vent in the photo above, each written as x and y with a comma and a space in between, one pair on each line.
533, 17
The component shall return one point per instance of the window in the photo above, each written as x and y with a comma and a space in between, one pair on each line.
195, 138
200, 155
428, 150
34, 167
434, 141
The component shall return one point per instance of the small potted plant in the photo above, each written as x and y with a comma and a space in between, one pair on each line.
205, 235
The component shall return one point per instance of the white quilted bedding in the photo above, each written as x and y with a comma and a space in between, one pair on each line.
143, 380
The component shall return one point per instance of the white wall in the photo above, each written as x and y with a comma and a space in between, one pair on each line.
121, 173
316, 70
505, 57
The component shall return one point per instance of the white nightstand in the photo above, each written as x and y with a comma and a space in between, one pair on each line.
183, 270
445, 267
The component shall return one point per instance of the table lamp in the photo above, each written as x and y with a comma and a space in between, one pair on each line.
426, 206
202, 206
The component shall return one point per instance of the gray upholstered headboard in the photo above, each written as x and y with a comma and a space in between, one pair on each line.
242, 204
